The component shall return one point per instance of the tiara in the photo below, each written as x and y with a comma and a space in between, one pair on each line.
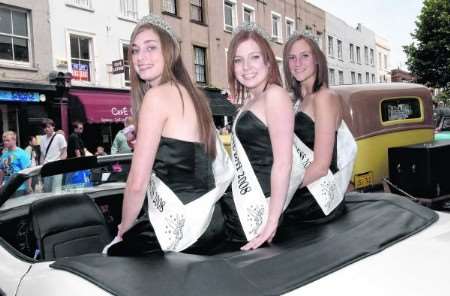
251, 27
159, 22
306, 33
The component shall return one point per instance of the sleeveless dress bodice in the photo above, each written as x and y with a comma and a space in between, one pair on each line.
255, 139
303, 206
186, 169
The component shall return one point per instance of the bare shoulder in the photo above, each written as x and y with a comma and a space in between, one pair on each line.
275, 95
326, 96
160, 96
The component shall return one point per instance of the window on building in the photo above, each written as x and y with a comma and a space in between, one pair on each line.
371, 57
128, 9
197, 10
353, 76
359, 78
81, 3
366, 55
14, 35
81, 57
319, 39
341, 77
330, 46
126, 65
248, 14
358, 55
352, 53
290, 27
380, 62
367, 77
373, 78
200, 64
170, 6
385, 62
276, 27
331, 77
229, 14
339, 45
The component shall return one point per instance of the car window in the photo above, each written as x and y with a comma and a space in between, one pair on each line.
400, 109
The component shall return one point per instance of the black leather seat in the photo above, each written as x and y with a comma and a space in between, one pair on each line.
68, 225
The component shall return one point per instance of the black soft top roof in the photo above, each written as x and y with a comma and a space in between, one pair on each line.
372, 223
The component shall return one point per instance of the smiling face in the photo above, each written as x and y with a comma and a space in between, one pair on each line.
250, 68
302, 64
147, 56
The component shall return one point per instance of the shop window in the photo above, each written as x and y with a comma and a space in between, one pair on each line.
359, 78
81, 57
353, 76
341, 77
14, 35
200, 64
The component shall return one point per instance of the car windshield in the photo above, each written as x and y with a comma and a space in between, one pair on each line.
63, 177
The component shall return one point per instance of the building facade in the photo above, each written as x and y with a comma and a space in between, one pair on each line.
25, 63
350, 53
205, 29
383, 59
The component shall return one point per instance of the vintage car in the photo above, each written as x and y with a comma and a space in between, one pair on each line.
442, 122
381, 116
51, 243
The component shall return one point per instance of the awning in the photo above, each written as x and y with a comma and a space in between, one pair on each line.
219, 104
103, 106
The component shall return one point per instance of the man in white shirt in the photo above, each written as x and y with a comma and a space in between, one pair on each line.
53, 147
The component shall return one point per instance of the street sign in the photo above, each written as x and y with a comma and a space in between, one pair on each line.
117, 67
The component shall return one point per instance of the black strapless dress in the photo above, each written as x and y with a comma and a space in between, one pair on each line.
254, 137
187, 170
303, 207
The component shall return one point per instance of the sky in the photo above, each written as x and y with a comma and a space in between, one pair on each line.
393, 20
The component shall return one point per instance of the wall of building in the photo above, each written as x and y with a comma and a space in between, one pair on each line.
360, 37
383, 52
36, 71
108, 29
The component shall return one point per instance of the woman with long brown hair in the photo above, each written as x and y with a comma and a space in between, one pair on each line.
175, 136
327, 146
262, 139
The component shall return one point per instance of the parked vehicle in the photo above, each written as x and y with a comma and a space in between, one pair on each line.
51, 242
381, 116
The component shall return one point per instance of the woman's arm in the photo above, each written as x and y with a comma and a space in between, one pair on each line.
327, 116
280, 121
152, 118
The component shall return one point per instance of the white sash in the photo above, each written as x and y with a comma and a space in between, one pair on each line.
251, 204
178, 226
329, 190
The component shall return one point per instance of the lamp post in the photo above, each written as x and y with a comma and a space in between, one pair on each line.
63, 83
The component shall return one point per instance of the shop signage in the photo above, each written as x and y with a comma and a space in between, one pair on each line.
80, 71
117, 67
19, 96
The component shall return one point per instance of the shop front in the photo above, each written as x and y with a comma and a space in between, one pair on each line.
23, 106
102, 111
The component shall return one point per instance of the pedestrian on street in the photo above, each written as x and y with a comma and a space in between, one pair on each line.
53, 147
13, 160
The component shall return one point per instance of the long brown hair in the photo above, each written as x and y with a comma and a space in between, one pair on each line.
238, 90
174, 71
320, 60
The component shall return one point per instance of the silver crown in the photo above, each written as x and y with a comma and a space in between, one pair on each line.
159, 22
306, 33
251, 27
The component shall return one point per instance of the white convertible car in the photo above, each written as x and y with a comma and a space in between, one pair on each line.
51, 242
